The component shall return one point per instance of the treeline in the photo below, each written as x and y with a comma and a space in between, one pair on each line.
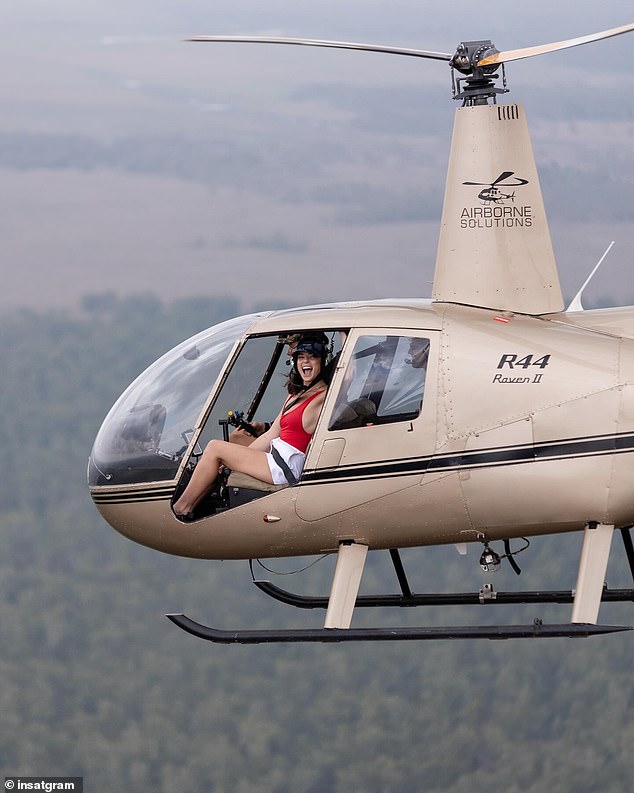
96, 683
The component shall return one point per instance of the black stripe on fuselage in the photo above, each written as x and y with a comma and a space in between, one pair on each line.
572, 448
163, 493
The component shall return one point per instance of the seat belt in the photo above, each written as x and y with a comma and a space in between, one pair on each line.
290, 476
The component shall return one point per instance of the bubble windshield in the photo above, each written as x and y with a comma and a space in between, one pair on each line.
146, 433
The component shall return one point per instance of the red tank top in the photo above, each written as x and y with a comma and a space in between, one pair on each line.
291, 428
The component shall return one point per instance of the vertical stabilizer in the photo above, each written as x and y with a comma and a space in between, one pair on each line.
494, 249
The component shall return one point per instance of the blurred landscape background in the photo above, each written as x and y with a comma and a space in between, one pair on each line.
150, 188
97, 683
131, 160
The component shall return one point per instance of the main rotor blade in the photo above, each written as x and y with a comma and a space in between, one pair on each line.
504, 175
528, 52
344, 45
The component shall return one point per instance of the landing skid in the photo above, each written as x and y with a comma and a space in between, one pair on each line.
409, 599
487, 595
333, 635
344, 598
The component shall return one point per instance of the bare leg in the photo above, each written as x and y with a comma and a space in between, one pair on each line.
217, 453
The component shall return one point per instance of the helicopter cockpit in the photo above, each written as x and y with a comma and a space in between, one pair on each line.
232, 376
151, 426
189, 396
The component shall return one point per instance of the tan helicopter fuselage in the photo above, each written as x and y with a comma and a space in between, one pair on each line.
526, 428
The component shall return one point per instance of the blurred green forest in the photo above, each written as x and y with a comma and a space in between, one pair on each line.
97, 683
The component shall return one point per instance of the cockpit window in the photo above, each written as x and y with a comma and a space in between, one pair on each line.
255, 386
147, 431
384, 382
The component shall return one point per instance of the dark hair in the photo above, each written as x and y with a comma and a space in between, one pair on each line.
294, 382
329, 369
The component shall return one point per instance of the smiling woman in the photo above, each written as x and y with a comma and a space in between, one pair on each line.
277, 456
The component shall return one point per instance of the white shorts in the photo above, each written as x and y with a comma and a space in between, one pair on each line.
291, 456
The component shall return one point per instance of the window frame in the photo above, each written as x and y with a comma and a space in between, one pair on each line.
382, 336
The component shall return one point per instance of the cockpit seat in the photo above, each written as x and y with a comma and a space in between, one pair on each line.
240, 480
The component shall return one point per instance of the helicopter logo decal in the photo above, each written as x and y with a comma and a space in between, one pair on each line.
492, 193
497, 208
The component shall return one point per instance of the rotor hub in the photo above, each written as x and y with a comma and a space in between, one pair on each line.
478, 85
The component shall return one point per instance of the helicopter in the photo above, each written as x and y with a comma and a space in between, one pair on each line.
485, 413
492, 192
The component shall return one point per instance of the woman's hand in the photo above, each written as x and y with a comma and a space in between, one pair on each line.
263, 442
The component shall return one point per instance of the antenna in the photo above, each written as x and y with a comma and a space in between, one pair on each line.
575, 304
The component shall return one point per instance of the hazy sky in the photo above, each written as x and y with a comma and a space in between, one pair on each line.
131, 160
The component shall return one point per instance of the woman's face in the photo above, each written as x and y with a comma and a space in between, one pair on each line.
308, 366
